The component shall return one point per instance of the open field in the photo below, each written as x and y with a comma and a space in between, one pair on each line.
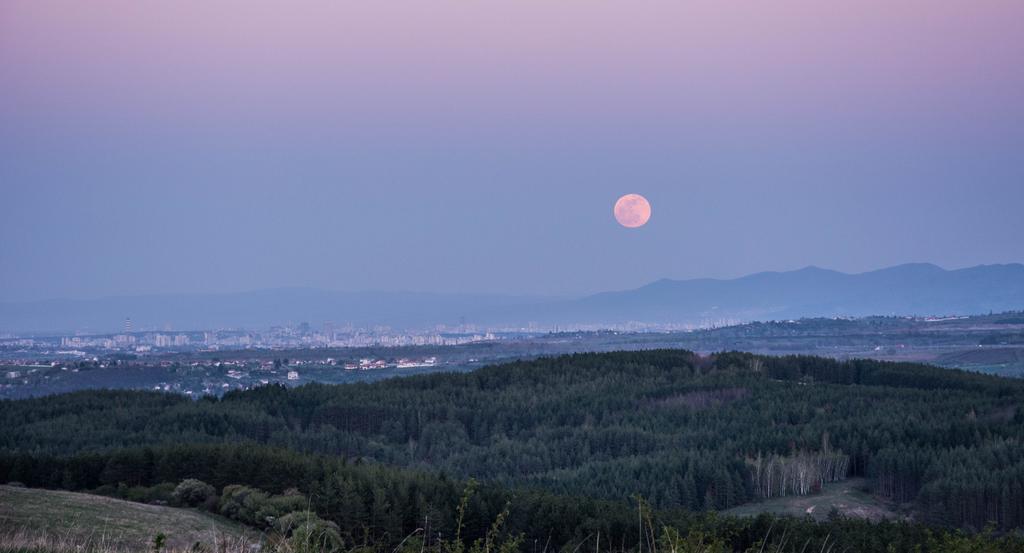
82, 518
998, 360
848, 498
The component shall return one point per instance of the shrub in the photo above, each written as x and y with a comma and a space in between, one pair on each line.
257, 508
192, 492
241, 503
304, 531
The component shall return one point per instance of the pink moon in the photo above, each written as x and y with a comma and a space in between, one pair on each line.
632, 211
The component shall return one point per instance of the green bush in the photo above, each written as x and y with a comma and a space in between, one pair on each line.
191, 492
242, 503
304, 531
257, 508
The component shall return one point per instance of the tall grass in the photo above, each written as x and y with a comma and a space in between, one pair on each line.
25, 541
303, 536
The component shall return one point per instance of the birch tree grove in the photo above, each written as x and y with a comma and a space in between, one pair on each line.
802, 473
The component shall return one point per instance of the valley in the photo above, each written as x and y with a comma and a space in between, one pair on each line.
983, 343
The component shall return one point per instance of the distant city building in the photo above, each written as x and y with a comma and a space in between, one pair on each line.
293, 375
124, 340
71, 342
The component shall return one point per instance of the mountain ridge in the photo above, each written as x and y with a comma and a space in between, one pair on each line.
907, 289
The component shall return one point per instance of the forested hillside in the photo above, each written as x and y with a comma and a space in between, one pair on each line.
683, 431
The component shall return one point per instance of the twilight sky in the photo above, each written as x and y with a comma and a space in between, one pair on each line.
215, 146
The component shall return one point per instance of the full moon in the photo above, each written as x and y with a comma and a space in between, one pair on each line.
632, 211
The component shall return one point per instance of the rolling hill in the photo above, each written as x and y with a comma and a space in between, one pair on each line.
112, 523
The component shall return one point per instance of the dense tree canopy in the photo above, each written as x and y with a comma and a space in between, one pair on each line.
683, 431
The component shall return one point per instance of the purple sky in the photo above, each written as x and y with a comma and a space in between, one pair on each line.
207, 146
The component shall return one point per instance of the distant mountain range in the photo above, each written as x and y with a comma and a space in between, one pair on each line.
912, 289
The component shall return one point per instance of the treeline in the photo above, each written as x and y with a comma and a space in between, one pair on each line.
959, 486
672, 426
369, 502
372, 508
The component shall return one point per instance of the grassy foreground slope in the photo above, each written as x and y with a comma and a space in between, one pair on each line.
103, 521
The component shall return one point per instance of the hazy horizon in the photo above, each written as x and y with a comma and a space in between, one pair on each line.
903, 290
497, 293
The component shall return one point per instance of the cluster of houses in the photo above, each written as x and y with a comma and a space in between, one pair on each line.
371, 364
